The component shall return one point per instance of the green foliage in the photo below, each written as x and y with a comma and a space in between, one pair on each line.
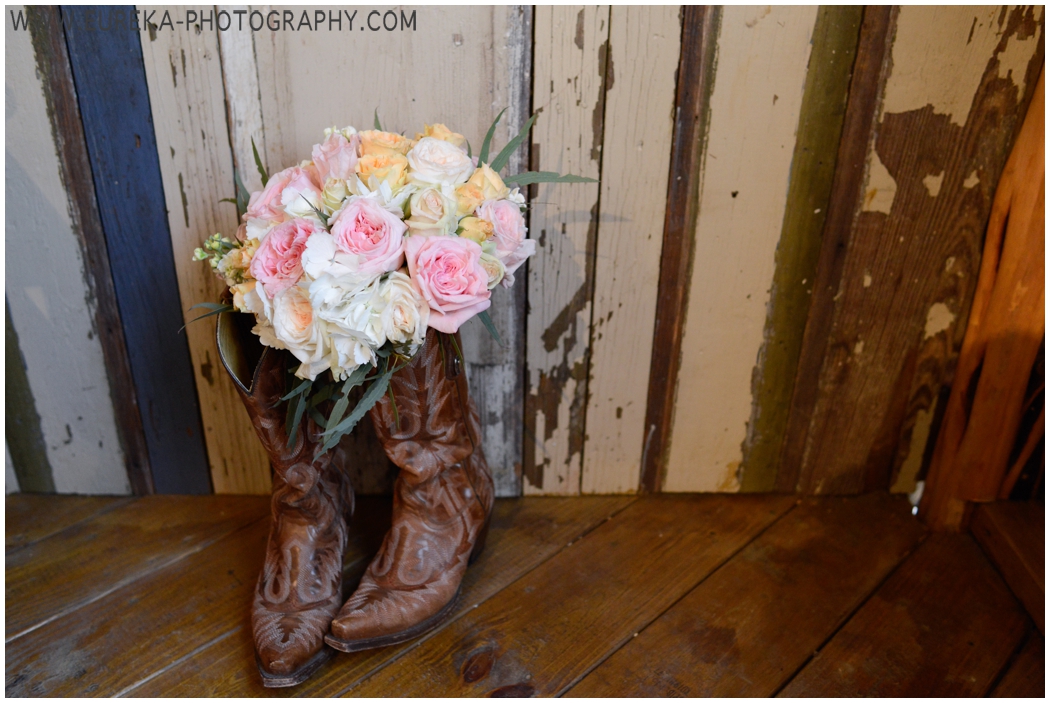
213, 309
487, 321
258, 164
504, 156
376, 117
530, 177
483, 156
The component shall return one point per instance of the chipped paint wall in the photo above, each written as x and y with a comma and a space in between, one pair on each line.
49, 300
763, 54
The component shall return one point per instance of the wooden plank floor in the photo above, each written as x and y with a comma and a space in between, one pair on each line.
696, 595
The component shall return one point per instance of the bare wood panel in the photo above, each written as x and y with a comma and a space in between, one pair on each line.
30, 517
571, 46
185, 81
459, 66
240, 75
93, 558
1012, 534
955, 86
762, 60
944, 624
1026, 676
547, 629
644, 46
746, 629
522, 535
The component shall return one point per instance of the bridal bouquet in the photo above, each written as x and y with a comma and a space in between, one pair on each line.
347, 259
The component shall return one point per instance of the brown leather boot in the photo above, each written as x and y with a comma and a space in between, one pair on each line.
442, 503
300, 587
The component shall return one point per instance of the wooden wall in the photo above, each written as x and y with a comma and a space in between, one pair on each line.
765, 291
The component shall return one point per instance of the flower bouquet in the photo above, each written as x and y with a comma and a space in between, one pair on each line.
347, 259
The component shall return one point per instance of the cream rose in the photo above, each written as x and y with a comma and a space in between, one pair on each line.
435, 161
299, 330
433, 211
476, 229
494, 268
402, 312
489, 183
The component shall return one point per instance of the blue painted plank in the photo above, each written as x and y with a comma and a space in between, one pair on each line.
110, 79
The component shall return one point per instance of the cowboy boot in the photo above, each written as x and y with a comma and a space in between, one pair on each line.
442, 502
300, 587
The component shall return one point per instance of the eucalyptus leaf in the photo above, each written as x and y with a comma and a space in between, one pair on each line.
258, 163
377, 125
242, 195
530, 177
368, 399
483, 156
508, 151
215, 308
301, 388
487, 321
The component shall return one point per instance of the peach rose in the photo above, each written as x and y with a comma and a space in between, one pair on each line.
386, 168
489, 183
440, 131
365, 228
448, 272
277, 263
376, 143
476, 229
336, 157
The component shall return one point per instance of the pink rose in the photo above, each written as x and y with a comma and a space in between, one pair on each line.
515, 259
447, 271
336, 157
278, 261
507, 224
283, 188
376, 235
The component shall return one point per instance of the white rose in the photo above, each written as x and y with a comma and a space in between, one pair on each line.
347, 354
402, 312
494, 268
301, 196
435, 161
321, 256
433, 211
300, 330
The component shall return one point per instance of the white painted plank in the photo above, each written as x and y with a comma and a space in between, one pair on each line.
645, 43
184, 76
763, 54
569, 61
47, 294
243, 102
459, 66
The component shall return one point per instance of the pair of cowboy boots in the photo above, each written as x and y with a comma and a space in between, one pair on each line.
442, 502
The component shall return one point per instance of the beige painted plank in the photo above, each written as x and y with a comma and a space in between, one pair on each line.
184, 76
762, 58
243, 101
569, 65
639, 111
459, 66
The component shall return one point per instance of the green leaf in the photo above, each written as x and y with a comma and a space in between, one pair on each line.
368, 399
378, 126
320, 215
228, 200
296, 409
487, 321
470, 154
483, 156
530, 177
215, 309
242, 195
504, 156
301, 388
258, 163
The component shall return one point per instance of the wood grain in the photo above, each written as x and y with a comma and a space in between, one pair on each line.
756, 104
696, 65
1026, 675
749, 627
569, 53
944, 624
912, 251
1012, 534
91, 559
546, 630
30, 517
522, 535
120, 114
644, 47
53, 61
186, 93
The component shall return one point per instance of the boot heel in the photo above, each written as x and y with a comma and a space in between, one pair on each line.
479, 546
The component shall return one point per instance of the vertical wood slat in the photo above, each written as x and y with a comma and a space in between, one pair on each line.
894, 298
692, 115
193, 144
569, 91
115, 108
639, 112
45, 23
755, 104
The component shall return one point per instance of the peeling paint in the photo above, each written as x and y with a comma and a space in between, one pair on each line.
1013, 60
858, 348
605, 72
938, 319
867, 280
972, 180
881, 188
920, 435
933, 184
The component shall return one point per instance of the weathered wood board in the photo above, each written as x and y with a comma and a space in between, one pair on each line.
569, 54
763, 54
644, 44
184, 74
899, 288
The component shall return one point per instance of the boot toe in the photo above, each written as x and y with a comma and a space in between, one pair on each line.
384, 613
286, 642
